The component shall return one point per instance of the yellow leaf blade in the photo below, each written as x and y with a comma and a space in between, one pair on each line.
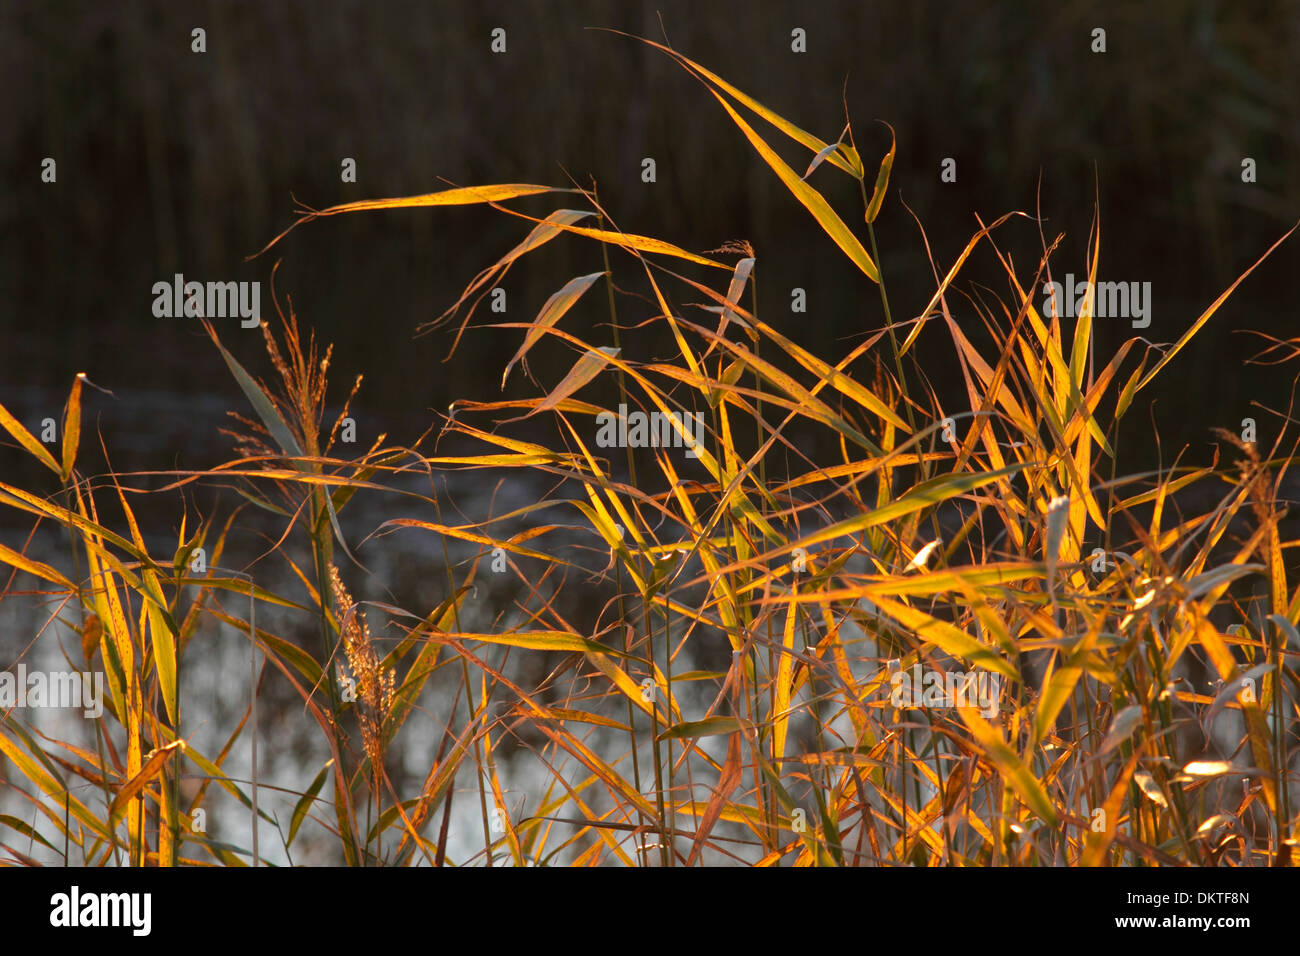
811, 199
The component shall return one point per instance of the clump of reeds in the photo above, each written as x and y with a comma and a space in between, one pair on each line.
959, 540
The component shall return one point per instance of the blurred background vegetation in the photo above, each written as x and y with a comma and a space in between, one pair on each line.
171, 161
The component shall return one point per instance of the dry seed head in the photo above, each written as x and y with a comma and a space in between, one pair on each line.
273, 350
376, 687
740, 247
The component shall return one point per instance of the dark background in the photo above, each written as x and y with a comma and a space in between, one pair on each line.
171, 161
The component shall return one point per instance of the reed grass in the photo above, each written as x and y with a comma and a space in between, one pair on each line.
1135, 723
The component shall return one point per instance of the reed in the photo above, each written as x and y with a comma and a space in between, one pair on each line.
1088, 618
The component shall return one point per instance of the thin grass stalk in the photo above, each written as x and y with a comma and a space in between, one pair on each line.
628, 644
469, 692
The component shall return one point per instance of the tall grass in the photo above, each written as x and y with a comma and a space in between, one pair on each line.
1134, 722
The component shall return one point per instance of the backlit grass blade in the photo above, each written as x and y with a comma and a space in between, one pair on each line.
465, 534
738, 279
1205, 316
1060, 686
72, 426
989, 578
1021, 778
841, 381
261, 402
728, 780
923, 495
304, 803
440, 778
536, 641
458, 196
37, 568
588, 366
621, 680
842, 158
784, 682
948, 638
626, 240
25, 438
882, 179
1083, 322
927, 313
54, 788
164, 654
148, 771
542, 233
556, 306
811, 199
26, 830
617, 784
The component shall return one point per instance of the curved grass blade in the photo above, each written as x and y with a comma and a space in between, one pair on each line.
584, 370
947, 637
812, 200
882, 179
26, 830
25, 438
627, 240
1205, 316
72, 426
1022, 780
457, 196
556, 306
536, 641
37, 568
305, 801
923, 495
839, 158
539, 235
132, 787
